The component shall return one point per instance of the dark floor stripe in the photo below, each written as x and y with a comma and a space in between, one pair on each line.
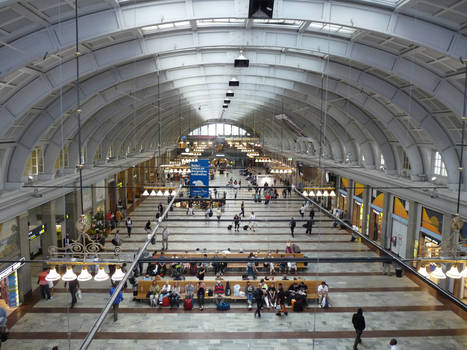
240, 335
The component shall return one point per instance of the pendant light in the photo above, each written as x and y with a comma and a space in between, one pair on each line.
464, 272
52, 275
325, 194
166, 193
153, 193
145, 193
438, 273
118, 274
453, 273
332, 194
84, 275
101, 275
159, 193
305, 193
311, 193
69, 275
318, 194
422, 271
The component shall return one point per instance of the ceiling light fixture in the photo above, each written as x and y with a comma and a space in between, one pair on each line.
229, 93
69, 275
118, 274
101, 275
241, 61
84, 275
234, 82
438, 273
52, 275
454, 273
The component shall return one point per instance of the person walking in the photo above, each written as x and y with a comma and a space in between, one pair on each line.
393, 344
129, 226
242, 208
252, 221
259, 300
359, 324
309, 226
73, 287
44, 284
237, 222
117, 301
302, 211
219, 213
165, 238
312, 214
292, 225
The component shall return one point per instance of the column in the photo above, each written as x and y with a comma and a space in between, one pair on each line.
449, 237
72, 213
93, 199
366, 197
412, 228
49, 238
337, 186
24, 273
349, 208
387, 222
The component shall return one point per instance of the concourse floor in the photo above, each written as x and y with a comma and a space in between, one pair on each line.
402, 308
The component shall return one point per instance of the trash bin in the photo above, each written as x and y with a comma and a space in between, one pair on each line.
399, 272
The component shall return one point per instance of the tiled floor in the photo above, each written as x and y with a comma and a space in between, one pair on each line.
401, 308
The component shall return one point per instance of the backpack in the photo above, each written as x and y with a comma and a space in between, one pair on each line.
296, 248
227, 289
223, 306
210, 293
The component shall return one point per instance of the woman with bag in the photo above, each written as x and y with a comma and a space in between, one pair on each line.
73, 288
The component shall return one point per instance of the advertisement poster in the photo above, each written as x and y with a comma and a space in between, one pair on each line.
8, 238
199, 176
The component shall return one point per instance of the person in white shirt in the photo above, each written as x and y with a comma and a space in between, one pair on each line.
393, 344
252, 221
227, 251
165, 291
323, 292
165, 238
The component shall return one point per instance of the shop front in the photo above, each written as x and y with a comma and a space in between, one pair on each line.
375, 222
358, 207
9, 291
430, 233
400, 220
342, 198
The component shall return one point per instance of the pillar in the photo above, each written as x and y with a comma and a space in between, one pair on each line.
24, 273
449, 237
387, 222
412, 228
349, 208
49, 238
366, 197
93, 199
72, 213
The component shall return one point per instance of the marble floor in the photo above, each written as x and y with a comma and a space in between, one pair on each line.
402, 308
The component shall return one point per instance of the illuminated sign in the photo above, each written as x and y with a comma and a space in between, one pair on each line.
12, 268
37, 232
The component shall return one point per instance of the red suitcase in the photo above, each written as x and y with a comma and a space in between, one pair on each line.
188, 305
165, 301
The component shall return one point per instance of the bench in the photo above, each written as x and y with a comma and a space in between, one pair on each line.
143, 287
241, 265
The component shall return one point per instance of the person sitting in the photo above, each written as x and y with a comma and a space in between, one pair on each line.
283, 265
291, 292
249, 292
154, 292
219, 291
288, 247
292, 265
323, 291
189, 290
166, 290
272, 295
302, 287
175, 296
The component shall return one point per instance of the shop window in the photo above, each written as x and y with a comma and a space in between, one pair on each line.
438, 165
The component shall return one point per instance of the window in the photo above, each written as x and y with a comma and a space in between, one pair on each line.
62, 159
406, 163
439, 168
219, 129
381, 162
35, 164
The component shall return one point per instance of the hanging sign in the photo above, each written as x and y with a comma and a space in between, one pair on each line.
37, 232
12, 268
199, 176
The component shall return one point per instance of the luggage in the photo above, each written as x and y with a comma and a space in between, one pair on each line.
165, 301
188, 304
298, 306
153, 240
223, 306
210, 293
114, 242
237, 290
227, 289
246, 227
324, 303
229, 227
158, 215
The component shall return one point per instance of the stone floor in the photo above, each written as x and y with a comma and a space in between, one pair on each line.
402, 308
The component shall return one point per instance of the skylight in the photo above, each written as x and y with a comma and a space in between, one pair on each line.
331, 28
219, 21
165, 26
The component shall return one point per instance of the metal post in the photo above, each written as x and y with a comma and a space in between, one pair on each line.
461, 161
98, 322
78, 107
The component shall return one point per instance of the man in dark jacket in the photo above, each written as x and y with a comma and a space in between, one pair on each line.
309, 226
73, 287
292, 225
259, 301
359, 324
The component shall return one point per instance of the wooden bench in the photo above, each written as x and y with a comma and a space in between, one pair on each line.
241, 265
143, 287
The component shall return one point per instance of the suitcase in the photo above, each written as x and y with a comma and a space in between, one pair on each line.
246, 227
229, 227
166, 301
188, 304
158, 215
298, 306
223, 306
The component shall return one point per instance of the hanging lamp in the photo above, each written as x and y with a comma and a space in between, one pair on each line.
52, 275
84, 275
101, 275
69, 275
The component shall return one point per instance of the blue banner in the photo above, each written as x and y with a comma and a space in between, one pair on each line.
199, 176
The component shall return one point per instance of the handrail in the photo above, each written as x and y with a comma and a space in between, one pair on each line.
98, 322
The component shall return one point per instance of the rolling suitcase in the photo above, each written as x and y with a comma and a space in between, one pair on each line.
188, 304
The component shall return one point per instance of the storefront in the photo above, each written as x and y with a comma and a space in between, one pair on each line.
430, 233
375, 222
9, 292
358, 207
400, 220
342, 199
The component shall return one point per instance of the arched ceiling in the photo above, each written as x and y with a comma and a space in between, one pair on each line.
388, 73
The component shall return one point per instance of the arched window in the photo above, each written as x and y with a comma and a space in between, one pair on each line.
219, 129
